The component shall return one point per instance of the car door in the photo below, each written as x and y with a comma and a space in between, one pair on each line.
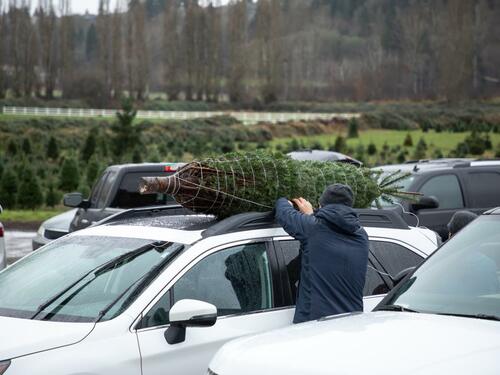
240, 280
98, 201
448, 189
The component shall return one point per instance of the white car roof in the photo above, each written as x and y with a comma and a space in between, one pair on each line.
370, 343
420, 239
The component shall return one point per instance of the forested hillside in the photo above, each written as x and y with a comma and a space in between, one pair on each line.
253, 53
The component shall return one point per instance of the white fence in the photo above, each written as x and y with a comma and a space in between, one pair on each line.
245, 117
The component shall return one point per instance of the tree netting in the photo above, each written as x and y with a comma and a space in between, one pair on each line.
242, 182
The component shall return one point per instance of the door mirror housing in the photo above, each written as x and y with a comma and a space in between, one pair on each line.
402, 274
425, 202
189, 313
75, 200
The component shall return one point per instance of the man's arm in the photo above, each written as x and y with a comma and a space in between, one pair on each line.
295, 223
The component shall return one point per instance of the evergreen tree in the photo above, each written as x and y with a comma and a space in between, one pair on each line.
89, 146
420, 150
69, 177
26, 146
92, 171
352, 131
12, 148
340, 144
8, 189
52, 149
372, 149
125, 135
52, 197
136, 156
408, 142
30, 194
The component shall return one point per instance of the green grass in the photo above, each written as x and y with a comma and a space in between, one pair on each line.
445, 141
29, 215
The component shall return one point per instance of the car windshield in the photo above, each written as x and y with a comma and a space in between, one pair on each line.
403, 184
78, 277
462, 278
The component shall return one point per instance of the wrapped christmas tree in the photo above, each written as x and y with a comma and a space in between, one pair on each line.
242, 182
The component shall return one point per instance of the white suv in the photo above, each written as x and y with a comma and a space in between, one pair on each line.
442, 319
3, 252
161, 294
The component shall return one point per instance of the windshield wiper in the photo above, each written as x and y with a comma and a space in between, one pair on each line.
395, 308
140, 282
99, 270
473, 316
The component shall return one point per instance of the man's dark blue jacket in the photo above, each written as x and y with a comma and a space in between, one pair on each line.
334, 259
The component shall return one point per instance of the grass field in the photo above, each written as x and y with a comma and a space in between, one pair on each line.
444, 141
21, 216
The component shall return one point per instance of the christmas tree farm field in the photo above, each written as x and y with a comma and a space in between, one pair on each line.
377, 146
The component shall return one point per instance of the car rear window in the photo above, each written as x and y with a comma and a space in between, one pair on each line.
484, 188
128, 195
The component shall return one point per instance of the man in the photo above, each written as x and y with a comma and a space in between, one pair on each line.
459, 220
334, 253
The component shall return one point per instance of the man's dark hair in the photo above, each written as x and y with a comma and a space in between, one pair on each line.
337, 193
459, 220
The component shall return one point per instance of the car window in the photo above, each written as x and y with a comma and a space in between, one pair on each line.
393, 257
446, 189
128, 195
106, 188
158, 315
374, 283
96, 189
236, 280
484, 189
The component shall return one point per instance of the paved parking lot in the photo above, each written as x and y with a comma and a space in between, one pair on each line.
18, 244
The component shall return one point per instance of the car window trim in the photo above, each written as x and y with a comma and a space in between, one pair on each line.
193, 262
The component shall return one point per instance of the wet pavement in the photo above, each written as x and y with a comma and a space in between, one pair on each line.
18, 244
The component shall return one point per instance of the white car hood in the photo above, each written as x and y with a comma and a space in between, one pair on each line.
20, 337
370, 343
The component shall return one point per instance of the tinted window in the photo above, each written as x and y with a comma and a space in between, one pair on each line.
128, 195
235, 280
106, 188
446, 189
394, 258
484, 188
96, 189
158, 315
374, 283
292, 260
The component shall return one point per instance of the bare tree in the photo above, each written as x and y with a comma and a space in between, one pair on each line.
47, 31
137, 50
3, 44
66, 45
172, 52
237, 35
117, 75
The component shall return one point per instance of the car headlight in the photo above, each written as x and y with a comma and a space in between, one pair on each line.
4, 365
41, 231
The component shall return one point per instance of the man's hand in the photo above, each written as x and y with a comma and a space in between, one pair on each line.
304, 206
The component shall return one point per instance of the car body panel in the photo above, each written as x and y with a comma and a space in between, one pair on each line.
422, 344
3, 249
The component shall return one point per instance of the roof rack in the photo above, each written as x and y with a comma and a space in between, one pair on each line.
254, 220
145, 212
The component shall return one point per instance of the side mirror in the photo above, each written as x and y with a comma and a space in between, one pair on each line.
75, 200
189, 313
425, 203
402, 274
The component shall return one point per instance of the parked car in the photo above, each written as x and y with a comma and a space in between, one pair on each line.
161, 293
53, 228
116, 190
322, 155
444, 318
449, 185
3, 252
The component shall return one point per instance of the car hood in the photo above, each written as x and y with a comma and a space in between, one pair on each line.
370, 343
19, 337
60, 222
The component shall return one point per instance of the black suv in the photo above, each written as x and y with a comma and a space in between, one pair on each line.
116, 190
449, 185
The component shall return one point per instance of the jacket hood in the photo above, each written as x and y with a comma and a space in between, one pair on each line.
339, 217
